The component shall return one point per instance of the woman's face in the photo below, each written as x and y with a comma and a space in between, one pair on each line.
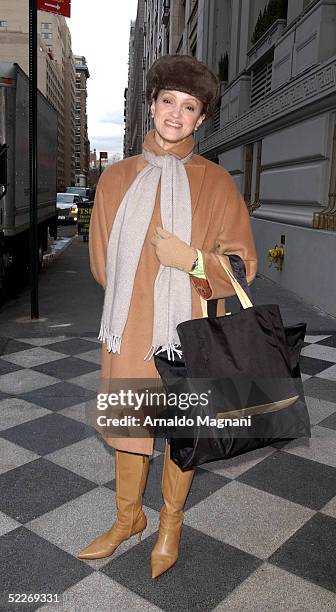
176, 115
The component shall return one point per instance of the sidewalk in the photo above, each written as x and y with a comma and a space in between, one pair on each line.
260, 530
70, 297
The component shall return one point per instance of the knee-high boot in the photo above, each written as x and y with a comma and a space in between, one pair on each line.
175, 487
131, 472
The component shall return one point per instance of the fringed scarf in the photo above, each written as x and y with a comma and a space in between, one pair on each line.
172, 291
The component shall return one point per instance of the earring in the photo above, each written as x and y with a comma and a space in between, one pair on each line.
195, 130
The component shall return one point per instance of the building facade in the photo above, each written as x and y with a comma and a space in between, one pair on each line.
134, 93
56, 78
69, 105
49, 28
82, 144
275, 126
275, 133
128, 96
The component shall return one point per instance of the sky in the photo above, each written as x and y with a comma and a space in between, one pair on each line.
100, 31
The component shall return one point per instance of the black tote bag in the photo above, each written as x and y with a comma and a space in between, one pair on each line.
251, 363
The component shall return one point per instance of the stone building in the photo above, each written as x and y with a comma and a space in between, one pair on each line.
128, 96
275, 126
134, 93
56, 73
82, 144
69, 106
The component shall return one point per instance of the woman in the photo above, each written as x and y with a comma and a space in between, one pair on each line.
159, 221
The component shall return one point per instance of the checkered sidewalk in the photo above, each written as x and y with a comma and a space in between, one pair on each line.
259, 532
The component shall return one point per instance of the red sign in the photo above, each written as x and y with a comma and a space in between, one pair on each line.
60, 7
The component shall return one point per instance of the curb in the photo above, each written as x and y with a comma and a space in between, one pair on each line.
48, 258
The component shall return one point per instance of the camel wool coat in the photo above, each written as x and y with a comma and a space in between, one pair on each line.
220, 224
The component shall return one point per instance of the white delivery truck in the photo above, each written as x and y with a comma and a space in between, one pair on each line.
14, 174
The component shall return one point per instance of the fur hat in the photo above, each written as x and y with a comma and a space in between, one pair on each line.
183, 73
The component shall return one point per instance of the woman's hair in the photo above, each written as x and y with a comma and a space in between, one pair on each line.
183, 73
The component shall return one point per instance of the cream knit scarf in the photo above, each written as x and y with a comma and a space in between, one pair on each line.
172, 291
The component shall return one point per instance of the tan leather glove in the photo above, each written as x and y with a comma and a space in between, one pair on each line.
173, 252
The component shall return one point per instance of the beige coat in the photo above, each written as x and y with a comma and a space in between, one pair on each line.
220, 224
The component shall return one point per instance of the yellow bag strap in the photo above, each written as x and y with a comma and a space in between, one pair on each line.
241, 294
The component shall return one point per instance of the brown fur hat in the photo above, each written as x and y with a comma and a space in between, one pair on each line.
183, 73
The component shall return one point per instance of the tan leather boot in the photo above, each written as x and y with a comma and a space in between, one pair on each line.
131, 472
175, 488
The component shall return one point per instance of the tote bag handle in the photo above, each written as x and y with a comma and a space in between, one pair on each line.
241, 294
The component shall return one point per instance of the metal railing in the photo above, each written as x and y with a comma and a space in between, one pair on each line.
261, 82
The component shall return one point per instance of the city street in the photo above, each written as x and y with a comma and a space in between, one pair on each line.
259, 530
176, 133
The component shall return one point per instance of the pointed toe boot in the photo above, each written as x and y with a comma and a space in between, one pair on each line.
175, 488
131, 472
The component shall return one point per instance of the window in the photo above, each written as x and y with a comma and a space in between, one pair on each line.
45, 26
261, 79
3, 24
46, 35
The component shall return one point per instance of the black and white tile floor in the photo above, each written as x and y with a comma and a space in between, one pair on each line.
259, 533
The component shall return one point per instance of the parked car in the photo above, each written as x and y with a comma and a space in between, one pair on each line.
67, 207
86, 192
